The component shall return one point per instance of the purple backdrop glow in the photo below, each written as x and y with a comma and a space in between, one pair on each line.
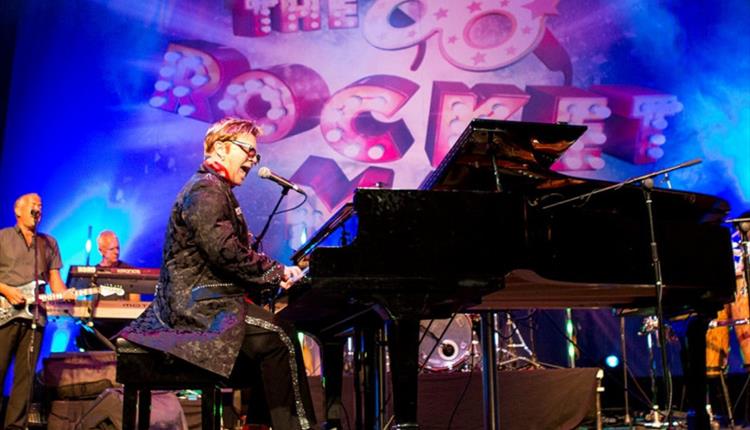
110, 99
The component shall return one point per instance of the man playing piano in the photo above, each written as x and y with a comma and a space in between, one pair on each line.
204, 309
25, 255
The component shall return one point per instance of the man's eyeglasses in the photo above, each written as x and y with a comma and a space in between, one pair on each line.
255, 158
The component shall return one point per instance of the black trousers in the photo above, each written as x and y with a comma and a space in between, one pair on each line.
15, 338
271, 345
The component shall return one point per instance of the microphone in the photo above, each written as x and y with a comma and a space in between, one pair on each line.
266, 173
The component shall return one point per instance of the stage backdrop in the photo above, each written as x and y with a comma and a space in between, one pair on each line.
110, 100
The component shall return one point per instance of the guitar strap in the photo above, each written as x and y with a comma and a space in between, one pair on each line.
42, 247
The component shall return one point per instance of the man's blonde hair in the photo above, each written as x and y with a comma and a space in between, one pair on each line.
228, 129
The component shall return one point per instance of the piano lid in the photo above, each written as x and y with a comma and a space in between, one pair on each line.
524, 150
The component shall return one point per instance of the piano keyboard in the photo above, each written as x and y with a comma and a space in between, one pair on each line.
105, 309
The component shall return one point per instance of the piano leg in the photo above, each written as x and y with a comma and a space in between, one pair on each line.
381, 392
358, 367
490, 391
695, 373
332, 358
374, 375
370, 377
403, 339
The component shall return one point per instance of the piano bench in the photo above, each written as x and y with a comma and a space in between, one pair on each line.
141, 370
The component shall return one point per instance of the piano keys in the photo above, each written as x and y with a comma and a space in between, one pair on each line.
102, 309
139, 285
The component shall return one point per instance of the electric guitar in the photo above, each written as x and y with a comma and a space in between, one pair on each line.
9, 312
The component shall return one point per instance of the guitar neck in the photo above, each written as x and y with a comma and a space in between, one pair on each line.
58, 296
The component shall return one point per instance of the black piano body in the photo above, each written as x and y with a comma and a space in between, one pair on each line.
476, 235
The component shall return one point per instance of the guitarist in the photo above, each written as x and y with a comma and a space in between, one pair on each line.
17, 260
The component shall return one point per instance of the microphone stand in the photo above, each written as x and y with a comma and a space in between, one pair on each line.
87, 323
271, 294
647, 187
647, 184
259, 238
30, 361
618, 185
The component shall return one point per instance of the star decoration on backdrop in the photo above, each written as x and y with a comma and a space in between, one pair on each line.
441, 13
474, 6
478, 58
542, 7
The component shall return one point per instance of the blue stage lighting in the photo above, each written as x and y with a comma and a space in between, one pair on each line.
612, 360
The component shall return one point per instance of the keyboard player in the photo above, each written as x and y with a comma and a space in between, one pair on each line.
108, 245
109, 248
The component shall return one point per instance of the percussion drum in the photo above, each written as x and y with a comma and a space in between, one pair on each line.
737, 315
741, 312
717, 344
455, 348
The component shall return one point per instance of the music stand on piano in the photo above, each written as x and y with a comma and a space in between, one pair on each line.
492, 155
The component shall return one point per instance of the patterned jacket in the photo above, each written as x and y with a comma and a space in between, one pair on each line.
199, 310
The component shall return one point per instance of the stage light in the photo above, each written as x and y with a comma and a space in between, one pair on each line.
61, 336
612, 360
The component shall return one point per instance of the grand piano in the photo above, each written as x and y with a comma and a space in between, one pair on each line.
479, 234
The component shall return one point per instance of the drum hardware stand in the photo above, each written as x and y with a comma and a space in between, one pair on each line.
532, 333
741, 321
713, 423
515, 341
727, 400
